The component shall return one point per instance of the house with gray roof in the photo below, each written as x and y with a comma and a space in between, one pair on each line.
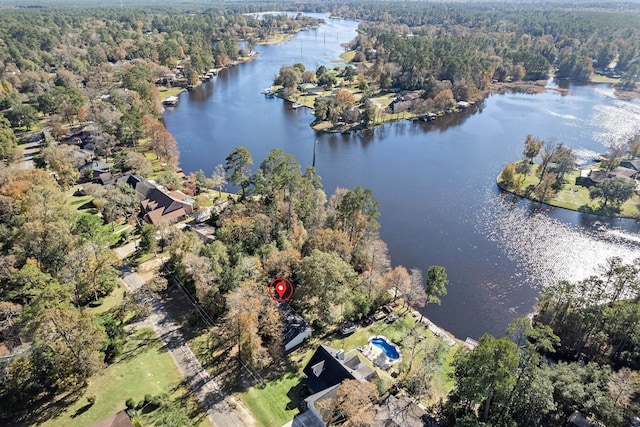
296, 329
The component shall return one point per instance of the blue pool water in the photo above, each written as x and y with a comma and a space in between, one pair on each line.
389, 349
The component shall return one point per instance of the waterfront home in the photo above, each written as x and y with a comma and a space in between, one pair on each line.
170, 207
328, 368
590, 177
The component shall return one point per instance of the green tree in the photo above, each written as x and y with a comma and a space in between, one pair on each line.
67, 347
148, 241
436, 284
485, 375
545, 190
532, 147
324, 283
218, 179
615, 190
8, 141
357, 213
237, 167
21, 115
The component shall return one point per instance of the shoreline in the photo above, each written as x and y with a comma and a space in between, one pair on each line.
503, 188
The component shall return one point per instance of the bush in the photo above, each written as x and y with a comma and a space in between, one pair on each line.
130, 403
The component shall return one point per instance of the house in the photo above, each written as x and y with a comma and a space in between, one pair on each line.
163, 207
121, 419
296, 329
141, 185
106, 178
95, 168
631, 164
328, 367
592, 177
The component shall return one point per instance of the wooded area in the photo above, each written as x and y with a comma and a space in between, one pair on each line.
84, 82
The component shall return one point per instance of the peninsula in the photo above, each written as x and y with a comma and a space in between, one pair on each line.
608, 186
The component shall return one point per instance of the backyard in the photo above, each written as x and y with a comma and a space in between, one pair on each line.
275, 401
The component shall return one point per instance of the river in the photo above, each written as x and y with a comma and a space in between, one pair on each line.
435, 181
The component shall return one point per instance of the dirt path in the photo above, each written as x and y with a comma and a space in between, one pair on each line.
222, 410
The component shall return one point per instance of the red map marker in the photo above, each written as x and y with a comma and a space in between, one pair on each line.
281, 289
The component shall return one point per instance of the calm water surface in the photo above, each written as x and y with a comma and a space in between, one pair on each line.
435, 181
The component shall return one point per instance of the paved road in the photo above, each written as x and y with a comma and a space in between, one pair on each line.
28, 151
221, 410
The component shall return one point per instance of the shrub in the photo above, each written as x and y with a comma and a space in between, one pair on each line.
130, 403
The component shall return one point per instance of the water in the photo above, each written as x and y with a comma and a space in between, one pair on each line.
435, 181
390, 350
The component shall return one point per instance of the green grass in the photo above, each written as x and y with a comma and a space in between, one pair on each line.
348, 55
597, 78
111, 301
167, 92
145, 367
275, 402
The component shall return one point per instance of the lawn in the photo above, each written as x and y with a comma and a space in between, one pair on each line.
79, 203
167, 92
597, 78
144, 368
275, 402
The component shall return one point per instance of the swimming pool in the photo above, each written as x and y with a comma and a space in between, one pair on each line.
389, 349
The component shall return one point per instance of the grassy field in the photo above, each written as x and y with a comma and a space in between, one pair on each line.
144, 368
571, 196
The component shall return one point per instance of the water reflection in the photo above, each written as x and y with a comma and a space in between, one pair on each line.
548, 250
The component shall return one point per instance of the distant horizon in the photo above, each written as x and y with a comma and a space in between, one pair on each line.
89, 3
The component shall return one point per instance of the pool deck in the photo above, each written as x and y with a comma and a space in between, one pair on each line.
377, 356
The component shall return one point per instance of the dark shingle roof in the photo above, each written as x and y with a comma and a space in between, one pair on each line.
293, 323
332, 371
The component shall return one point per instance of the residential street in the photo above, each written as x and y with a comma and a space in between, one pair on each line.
28, 151
222, 410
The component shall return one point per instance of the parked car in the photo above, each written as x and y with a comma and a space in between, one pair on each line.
367, 321
347, 328
390, 318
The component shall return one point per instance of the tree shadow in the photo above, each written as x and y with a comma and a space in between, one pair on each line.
296, 395
603, 211
48, 407
81, 410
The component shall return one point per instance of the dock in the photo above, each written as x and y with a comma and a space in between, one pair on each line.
171, 101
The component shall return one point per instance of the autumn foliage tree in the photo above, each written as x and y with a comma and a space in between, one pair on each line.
354, 403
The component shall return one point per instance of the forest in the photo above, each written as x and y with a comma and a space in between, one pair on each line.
67, 73
438, 56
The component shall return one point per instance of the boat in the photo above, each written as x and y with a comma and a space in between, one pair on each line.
171, 101
295, 105
266, 91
